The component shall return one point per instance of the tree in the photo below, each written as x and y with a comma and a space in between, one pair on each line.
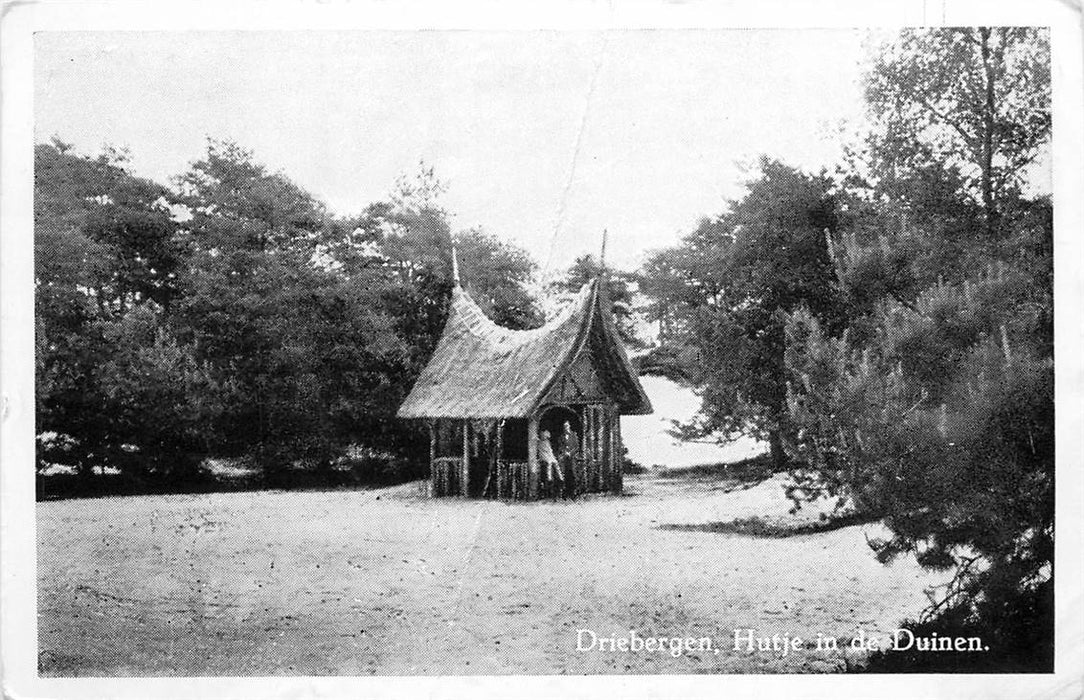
418, 192
320, 324
414, 241
260, 328
497, 274
931, 404
164, 405
741, 273
106, 246
942, 425
619, 289
669, 281
973, 100
304, 342
129, 219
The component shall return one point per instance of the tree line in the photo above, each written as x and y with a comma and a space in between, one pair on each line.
232, 316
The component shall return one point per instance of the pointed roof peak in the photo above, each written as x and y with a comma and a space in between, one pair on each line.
480, 369
602, 255
455, 266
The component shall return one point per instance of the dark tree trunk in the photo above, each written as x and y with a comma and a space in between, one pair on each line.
779, 455
85, 471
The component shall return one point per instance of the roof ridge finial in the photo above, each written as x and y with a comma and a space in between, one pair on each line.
602, 255
455, 266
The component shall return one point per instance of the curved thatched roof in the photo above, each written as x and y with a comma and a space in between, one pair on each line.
482, 370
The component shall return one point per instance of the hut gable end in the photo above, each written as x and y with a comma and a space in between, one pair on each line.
579, 383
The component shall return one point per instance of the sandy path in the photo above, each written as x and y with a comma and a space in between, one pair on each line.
387, 582
649, 442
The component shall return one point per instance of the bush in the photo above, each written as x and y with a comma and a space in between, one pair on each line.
943, 426
368, 466
1017, 632
671, 361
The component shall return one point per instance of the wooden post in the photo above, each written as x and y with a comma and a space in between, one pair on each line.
619, 455
607, 453
532, 456
588, 485
611, 459
432, 459
590, 452
583, 431
596, 463
500, 456
464, 481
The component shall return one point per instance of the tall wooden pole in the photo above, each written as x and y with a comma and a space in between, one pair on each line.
532, 456
598, 446
607, 452
455, 266
464, 481
592, 452
501, 493
432, 459
619, 455
588, 486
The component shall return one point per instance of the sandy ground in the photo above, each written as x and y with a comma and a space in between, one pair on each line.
389, 582
649, 442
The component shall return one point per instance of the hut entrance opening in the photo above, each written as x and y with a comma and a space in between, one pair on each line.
565, 447
553, 420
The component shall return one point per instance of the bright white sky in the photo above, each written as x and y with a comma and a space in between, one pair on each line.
638, 132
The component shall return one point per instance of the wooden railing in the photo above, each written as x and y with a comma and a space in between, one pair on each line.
511, 481
447, 476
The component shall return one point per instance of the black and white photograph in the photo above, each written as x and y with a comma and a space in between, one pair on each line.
556, 358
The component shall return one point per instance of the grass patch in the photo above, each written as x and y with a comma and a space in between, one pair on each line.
753, 469
359, 474
763, 527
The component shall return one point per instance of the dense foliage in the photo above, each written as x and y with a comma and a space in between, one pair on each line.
619, 289
741, 273
890, 327
232, 316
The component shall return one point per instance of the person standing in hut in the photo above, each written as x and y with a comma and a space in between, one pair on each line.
568, 447
551, 470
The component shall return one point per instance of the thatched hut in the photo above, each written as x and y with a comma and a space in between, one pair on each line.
488, 392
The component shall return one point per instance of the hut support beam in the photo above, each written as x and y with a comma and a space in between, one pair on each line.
592, 452
619, 455
607, 445
463, 482
596, 451
588, 471
605, 454
500, 458
532, 456
432, 459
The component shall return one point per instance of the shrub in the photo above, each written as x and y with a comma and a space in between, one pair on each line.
944, 427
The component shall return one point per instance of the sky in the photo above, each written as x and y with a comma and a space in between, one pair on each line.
544, 138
